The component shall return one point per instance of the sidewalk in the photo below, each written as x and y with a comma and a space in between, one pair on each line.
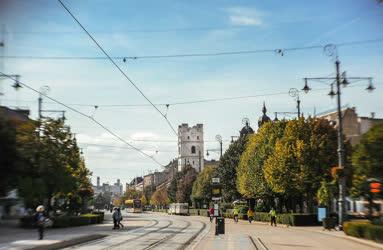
262, 236
341, 234
14, 237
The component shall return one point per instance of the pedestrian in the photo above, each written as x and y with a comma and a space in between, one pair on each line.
235, 215
211, 213
119, 218
115, 217
250, 215
39, 221
273, 217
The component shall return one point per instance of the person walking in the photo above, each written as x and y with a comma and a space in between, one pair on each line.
235, 215
250, 215
115, 217
273, 217
39, 221
119, 218
211, 214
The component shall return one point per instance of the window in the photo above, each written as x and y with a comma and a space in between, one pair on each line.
188, 137
193, 149
197, 137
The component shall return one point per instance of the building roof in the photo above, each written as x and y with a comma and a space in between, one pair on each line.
264, 118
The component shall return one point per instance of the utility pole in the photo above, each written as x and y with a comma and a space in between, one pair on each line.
340, 79
43, 91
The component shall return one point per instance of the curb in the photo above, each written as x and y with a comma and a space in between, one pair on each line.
346, 237
71, 242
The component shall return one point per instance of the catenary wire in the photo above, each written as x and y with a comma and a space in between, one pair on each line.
85, 115
207, 54
117, 67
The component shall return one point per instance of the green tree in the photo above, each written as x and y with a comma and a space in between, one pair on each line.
367, 161
251, 182
228, 169
302, 159
201, 191
8, 156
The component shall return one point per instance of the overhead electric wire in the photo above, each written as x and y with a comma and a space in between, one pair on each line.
121, 147
191, 101
85, 115
117, 67
280, 51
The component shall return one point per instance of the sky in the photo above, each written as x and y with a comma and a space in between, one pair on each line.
42, 28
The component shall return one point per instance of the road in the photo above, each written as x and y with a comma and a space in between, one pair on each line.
161, 231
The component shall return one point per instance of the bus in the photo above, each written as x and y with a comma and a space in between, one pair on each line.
133, 206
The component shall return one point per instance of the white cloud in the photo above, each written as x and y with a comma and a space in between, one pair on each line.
245, 16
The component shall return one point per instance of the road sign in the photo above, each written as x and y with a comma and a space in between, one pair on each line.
215, 180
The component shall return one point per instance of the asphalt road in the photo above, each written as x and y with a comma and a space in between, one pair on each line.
160, 232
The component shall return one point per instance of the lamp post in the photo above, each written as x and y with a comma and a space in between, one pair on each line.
293, 92
218, 138
340, 79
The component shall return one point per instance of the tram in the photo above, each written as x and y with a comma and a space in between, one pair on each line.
178, 209
133, 206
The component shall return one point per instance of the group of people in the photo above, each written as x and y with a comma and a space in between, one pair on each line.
117, 218
250, 216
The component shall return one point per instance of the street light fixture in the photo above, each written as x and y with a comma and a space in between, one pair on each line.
293, 92
330, 50
306, 88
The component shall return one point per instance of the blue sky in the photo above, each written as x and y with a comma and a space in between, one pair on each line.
136, 28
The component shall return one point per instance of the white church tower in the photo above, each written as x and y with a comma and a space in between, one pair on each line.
190, 146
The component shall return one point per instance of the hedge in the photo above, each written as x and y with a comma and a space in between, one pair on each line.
364, 229
288, 219
66, 221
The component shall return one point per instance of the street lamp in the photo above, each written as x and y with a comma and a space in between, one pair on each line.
340, 79
293, 92
218, 138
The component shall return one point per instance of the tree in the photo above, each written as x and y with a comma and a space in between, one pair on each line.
302, 159
8, 157
251, 182
180, 187
201, 191
160, 198
228, 169
51, 163
367, 161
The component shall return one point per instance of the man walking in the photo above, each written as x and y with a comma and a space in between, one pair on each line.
115, 217
119, 218
39, 221
273, 217
250, 215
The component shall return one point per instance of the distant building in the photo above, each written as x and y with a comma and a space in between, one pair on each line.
264, 118
190, 146
353, 125
115, 190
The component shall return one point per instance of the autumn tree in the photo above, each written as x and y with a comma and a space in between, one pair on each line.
302, 159
251, 181
160, 197
201, 191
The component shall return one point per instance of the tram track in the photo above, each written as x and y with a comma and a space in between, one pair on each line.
142, 235
190, 240
172, 235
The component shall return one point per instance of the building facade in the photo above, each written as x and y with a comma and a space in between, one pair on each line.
353, 125
190, 146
